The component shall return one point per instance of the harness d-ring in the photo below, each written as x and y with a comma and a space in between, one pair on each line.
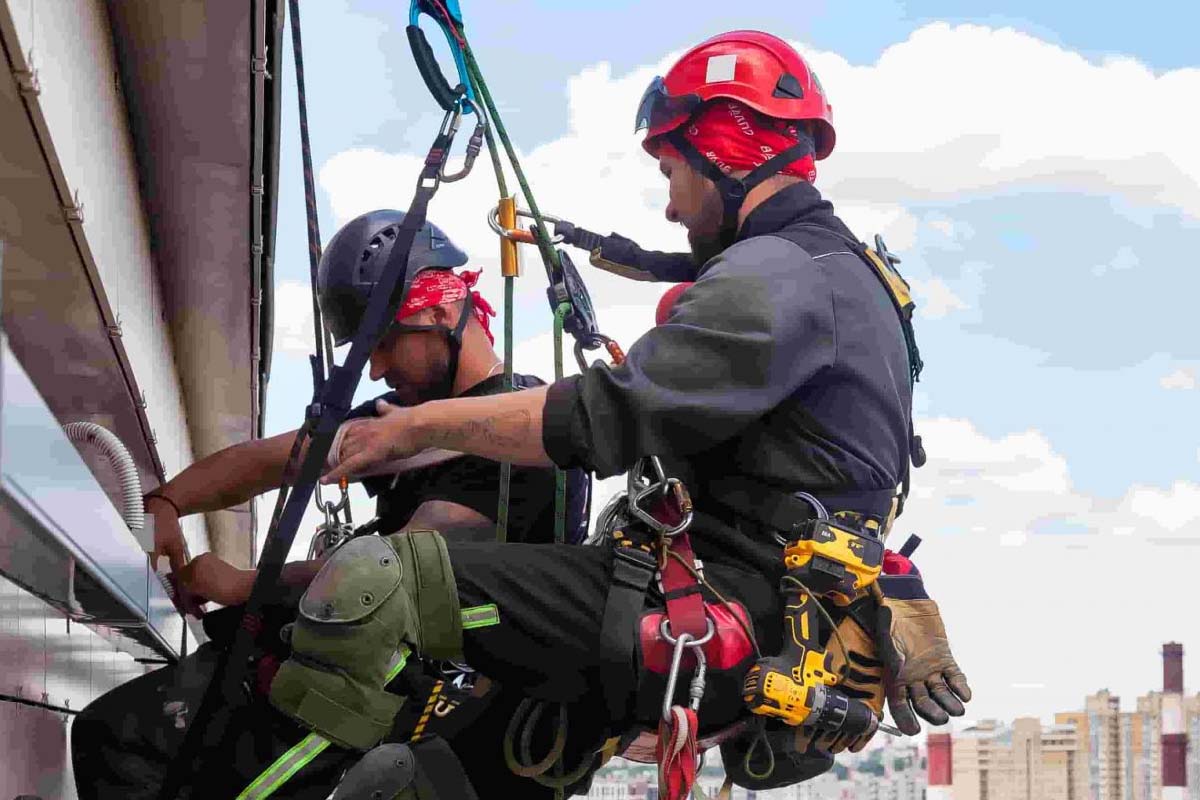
665, 625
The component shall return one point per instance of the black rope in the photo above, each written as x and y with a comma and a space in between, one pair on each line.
8, 698
324, 344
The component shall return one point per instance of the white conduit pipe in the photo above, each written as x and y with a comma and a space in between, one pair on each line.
122, 462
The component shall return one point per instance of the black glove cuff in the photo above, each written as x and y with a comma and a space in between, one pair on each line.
902, 587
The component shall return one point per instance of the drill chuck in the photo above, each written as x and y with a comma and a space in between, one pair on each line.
834, 711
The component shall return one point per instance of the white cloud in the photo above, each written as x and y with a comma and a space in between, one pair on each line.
1124, 259
935, 299
946, 134
1182, 378
979, 503
943, 226
293, 319
1171, 509
947, 140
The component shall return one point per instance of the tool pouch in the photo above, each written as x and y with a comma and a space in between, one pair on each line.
371, 598
796, 758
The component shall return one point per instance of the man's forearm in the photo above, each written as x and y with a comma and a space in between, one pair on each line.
231, 476
505, 427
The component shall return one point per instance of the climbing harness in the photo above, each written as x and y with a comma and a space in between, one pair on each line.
648, 526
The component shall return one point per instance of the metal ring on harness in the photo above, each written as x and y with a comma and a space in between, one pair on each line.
703, 640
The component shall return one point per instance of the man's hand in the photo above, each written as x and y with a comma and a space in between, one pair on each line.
366, 443
168, 536
210, 578
922, 673
169, 542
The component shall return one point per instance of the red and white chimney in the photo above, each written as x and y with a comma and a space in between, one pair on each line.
940, 764
1174, 735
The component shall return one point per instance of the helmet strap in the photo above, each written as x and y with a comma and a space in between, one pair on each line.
734, 190
453, 337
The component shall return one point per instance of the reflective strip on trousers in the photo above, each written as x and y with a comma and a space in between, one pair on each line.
299, 756
285, 767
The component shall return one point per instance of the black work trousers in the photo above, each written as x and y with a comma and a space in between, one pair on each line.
550, 600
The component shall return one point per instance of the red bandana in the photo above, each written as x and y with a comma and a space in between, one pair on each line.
736, 137
433, 287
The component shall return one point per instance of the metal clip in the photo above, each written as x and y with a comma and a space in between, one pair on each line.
696, 689
519, 234
673, 675
328, 537
474, 145
448, 129
639, 490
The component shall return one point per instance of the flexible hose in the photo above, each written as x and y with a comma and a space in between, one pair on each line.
122, 462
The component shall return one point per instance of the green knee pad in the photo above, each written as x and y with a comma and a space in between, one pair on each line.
373, 596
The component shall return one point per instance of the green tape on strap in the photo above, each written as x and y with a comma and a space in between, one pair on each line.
480, 616
285, 767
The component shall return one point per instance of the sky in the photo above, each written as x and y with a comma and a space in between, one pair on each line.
1035, 173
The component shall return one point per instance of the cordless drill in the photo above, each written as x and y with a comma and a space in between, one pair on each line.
835, 562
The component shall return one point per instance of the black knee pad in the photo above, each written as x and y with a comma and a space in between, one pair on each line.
427, 770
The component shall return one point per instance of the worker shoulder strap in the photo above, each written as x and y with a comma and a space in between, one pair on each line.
808, 237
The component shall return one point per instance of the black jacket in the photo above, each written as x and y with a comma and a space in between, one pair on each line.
781, 363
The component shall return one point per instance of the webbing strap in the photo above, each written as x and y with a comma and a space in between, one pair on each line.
685, 604
632, 570
303, 752
560, 477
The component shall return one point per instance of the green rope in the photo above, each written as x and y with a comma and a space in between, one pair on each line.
553, 267
502, 504
549, 254
560, 477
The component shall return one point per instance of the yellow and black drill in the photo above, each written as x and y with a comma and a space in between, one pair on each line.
827, 560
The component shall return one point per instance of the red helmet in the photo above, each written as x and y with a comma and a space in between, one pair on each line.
752, 67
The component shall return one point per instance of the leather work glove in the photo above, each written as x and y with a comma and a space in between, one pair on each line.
922, 675
862, 674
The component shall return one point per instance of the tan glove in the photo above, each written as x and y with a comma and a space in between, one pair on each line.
862, 677
922, 675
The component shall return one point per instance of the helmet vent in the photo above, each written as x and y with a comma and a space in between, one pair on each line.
788, 86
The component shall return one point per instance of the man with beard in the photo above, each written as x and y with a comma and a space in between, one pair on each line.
439, 346
785, 368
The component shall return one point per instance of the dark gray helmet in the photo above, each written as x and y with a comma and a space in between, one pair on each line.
354, 260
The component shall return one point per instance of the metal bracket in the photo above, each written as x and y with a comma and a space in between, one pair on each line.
73, 212
27, 80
